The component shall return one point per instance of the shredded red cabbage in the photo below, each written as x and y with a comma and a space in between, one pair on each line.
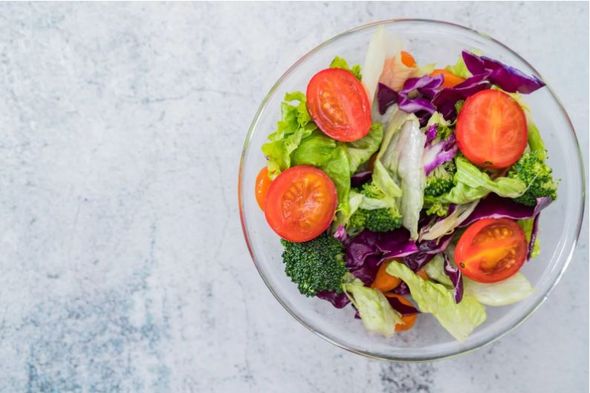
494, 206
338, 300
504, 76
360, 178
366, 251
403, 309
455, 276
439, 153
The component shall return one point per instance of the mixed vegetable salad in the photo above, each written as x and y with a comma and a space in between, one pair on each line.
405, 189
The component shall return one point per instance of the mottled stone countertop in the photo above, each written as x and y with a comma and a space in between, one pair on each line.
122, 263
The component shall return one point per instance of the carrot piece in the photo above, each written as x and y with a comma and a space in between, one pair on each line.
449, 79
408, 320
383, 281
407, 59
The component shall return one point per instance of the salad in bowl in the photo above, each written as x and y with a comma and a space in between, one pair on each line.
392, 189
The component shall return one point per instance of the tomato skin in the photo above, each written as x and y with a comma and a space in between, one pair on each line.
491, 129
338, 104
491, 250
301, 203
408, 319
262, 186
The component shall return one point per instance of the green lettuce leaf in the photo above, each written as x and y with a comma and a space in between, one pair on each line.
376, 313
536, 141
527, 228
473, 184
361, 151
339, 62
294, 126
502, 293
435, 270
459, 69
332, 157
458, 319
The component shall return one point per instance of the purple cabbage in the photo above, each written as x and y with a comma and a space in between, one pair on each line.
338, 300
403, 309
401, 289
494, 206
386, 97
504, 76
415, 96
438, 154
341, 235
455, 276
430, 134
446, 99
366, 251
427, 250
533, 237
360, 178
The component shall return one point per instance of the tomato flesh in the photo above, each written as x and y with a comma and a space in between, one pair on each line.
300, 203
338, 104
491, 250
262, 185
491, 129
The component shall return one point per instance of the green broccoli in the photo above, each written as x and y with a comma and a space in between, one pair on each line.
375, 220
441, 179
316, 265
538, 177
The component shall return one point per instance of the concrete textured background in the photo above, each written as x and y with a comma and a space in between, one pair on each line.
122, 263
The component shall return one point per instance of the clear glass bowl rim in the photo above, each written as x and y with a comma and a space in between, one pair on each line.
263, 106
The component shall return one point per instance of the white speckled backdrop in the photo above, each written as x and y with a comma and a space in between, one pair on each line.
122, 263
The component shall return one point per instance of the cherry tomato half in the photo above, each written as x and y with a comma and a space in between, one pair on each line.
262, 185
300, 203
408, 320
491, 250
491, 129
338, 104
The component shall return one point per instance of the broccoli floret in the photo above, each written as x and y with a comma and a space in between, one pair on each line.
441, 179
436, 208
538, 177
316, 265
375, 220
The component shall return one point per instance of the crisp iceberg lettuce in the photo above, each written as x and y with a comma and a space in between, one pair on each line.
375, 310
502, 293
459, 319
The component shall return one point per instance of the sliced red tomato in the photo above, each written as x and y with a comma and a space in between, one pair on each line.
408, 320
338, 104
491, 129
449, 79
262, 185
300, 203
491, 250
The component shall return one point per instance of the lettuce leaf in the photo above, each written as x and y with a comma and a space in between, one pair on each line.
403, 160
330, 156
459, 69
376, 313
473, 184
435, 270
501, 293
294, 126
361, 151
341, 63
459, 319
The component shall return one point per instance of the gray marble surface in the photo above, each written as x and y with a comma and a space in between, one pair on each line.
122, 263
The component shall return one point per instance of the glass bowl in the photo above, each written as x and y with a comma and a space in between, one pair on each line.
430, 42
